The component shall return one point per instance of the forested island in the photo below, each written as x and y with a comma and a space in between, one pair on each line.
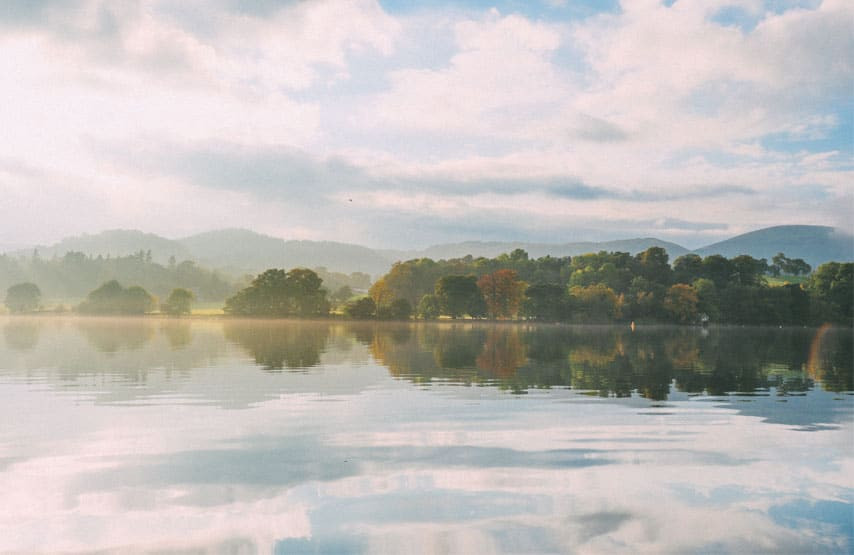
604, 287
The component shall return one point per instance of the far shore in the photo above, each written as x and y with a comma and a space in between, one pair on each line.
340, 319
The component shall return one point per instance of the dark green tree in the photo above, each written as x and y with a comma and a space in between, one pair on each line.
545, 301
399, 309
277, 293
23, 297
748, 270
687, 268
361, 309
832, 284
652, 265
459, 295
718, 269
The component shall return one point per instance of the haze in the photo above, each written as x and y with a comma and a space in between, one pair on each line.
376, 123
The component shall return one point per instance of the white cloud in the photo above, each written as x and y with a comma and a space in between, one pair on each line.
650, 100
499, 78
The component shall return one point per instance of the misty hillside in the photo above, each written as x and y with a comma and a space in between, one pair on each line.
243, 251
239, 251
536, 250
116, 242
815, 244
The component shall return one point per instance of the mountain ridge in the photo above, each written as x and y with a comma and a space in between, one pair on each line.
239, 251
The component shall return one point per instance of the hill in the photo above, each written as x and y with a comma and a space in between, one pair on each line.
815, 244
115, 242
243, 251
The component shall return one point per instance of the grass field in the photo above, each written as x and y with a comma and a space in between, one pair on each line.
783, 280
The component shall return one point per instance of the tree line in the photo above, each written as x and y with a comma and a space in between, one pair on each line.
616, 287
75, 274
110, 298
599, 287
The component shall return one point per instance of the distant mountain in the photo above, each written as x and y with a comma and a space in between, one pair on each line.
815, 244
244, 251
116, 242
240, 251
537, 250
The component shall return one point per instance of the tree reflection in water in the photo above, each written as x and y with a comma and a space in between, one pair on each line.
610, 361
278, 345
111, 335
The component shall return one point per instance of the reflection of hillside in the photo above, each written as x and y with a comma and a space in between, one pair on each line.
278, 345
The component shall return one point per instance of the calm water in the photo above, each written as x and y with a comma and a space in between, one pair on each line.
245, 437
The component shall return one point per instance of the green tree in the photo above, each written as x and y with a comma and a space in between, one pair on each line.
112, 298
399, 309
718, 269
136, 300
545, 301
781, 264
459, 295
833, 284
180, 301
652, 265
748, 270
278, 293
708, 302
308, 296
23, 297
687, 268
428, 307
363, 308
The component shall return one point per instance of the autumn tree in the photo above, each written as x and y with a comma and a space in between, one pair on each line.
502, 292
595, 302
381, 294
680, 303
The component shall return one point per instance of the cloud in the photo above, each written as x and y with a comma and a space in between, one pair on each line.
525, 122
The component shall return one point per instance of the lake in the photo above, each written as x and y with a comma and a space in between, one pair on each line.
303, 437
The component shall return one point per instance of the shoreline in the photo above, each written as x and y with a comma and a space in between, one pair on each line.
442, 321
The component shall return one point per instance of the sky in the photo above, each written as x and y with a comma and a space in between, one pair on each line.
402, 124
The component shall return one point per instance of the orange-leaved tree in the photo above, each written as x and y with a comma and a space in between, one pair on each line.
502, 291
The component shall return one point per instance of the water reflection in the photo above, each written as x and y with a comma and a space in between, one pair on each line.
654, 363
278, 345
396, 438
617, 362
22, 334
